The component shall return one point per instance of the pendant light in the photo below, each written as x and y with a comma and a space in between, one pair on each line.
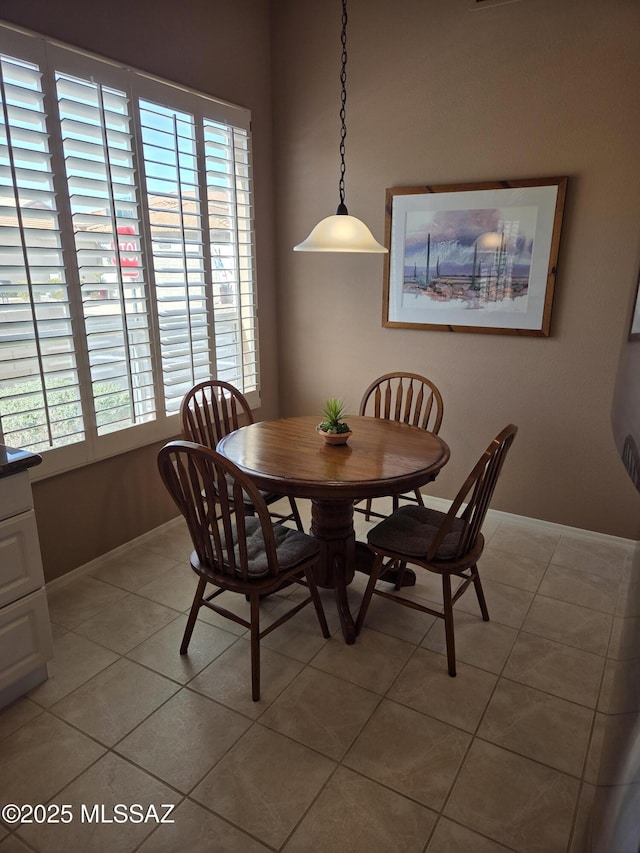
341, 232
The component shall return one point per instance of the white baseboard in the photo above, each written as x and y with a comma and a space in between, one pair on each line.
563, 529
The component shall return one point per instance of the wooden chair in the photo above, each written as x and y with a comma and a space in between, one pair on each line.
234, 551
213, 409
408, 398
445, 543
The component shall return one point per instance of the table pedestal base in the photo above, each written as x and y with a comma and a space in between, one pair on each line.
332, 525
341, 556
364, 562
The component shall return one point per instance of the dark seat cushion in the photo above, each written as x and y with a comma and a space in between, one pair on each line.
267, 497
292, 547
410, 530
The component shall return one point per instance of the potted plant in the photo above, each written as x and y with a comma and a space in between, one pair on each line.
333, 429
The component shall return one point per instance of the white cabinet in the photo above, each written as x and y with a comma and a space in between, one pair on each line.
25, 631
21, 566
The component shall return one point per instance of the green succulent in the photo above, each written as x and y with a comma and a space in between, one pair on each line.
333, 412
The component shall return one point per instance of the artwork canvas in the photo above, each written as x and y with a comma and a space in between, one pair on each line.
474, 257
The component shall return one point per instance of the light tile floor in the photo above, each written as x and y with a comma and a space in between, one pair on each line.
369, 748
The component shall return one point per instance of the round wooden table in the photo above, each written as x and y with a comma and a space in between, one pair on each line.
382, 458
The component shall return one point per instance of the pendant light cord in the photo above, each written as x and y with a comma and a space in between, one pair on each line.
341, 233
343, 101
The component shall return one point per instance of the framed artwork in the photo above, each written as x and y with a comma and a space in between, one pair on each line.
476, 257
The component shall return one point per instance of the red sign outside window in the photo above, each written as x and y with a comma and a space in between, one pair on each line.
129, 264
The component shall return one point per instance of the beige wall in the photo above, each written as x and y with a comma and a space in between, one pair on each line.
440, 94
220, 48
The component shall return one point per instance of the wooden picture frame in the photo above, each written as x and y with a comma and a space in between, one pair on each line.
477, 257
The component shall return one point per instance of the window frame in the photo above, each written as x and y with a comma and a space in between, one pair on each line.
53, 56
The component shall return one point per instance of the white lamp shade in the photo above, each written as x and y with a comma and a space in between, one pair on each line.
340, 233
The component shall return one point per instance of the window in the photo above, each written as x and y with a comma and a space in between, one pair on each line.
126, 251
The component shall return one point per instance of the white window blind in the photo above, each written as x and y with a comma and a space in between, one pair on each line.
126, 251
39, 388
229, 209
97, 144
173, 199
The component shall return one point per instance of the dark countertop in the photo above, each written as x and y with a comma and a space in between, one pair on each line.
13, 460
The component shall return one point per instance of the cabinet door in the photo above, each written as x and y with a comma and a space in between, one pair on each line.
15, 494
25, 637
20, 561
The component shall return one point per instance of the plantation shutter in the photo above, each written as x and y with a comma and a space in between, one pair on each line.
39, 387
203, 264
230, 228
97, 143
175, 219
126, 252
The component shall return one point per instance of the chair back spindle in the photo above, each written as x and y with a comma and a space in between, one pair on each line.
236, 546
196, 478
449, 544
475, 494
404, 397
211, 410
